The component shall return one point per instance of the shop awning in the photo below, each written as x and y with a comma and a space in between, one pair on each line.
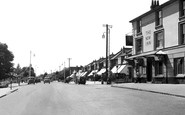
142, 54
152, 53
79, 74
72, 75
93, 72
103, 70
84, 73
122, 69
115, 69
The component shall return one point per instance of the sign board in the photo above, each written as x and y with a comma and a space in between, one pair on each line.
129, 40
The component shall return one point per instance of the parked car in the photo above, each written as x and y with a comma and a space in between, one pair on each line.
37, 80
4, 84
47, 80
31, 80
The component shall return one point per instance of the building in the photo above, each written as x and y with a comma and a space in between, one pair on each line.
159, 43
119, 66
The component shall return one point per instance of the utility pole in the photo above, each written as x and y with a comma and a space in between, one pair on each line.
69, 59
107, 51
30, 66
64, 73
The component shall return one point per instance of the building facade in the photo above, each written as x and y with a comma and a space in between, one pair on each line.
159, 43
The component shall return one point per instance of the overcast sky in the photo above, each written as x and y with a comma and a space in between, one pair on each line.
55, 30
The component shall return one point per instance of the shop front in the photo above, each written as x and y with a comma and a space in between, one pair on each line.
149, 67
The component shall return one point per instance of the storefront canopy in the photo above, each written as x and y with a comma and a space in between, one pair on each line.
123, 69
93, 72
103, 70
147, 54
83, 74
115, 69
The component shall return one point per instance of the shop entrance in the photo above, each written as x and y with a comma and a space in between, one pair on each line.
149, 70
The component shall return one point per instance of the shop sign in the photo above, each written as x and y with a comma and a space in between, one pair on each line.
148, 40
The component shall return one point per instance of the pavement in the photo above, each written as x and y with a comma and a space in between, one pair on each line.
177, 90
6, 91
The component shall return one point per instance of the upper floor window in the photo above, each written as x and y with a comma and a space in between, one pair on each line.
182, 34
158, 21
139, 45
139, 26
182, 8
159, 39
179, 66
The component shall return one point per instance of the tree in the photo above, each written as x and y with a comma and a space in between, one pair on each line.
18, 70
6, 58
26, 70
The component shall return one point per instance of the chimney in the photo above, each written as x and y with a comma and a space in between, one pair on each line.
157, 2
154, 4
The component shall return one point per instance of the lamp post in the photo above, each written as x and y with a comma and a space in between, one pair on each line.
64, 73
30, 64
107, 50
69, 65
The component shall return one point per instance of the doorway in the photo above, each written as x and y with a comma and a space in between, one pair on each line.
149, 70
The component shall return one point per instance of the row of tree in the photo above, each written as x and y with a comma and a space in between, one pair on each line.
6, 65
7, 69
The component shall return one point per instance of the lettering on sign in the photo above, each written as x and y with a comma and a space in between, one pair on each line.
148, 38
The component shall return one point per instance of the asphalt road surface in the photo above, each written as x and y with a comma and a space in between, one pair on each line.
69, 99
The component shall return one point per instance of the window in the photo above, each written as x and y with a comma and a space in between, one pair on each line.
182, 8
159, 67
139, 26
178, 66
158, 21
182, 34
159, 38
139, 45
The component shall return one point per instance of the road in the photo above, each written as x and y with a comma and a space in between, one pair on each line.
69, 99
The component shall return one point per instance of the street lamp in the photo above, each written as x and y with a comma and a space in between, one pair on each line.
107, 50
64, 71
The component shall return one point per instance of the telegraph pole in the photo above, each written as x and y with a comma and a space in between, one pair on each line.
64, 73
69, 59
30, 66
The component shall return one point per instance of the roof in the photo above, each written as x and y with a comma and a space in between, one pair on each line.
117, 55
153, 10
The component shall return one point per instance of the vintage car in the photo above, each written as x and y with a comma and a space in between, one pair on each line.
31, 80
47, 80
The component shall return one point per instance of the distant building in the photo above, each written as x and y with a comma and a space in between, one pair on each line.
159, 43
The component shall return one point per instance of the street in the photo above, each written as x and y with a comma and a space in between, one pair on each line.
58, 98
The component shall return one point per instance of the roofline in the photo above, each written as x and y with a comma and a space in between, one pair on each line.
153, 10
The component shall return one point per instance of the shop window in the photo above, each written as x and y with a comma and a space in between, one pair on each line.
182, 8
159, 39
159, 68
182, 34
178, 66
158, 20
139, 45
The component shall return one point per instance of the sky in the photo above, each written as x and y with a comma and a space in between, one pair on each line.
55, 30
